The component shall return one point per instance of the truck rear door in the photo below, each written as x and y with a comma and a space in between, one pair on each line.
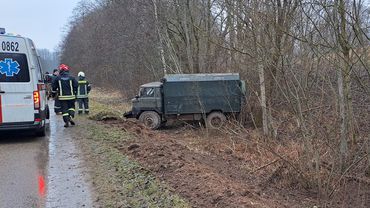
16, 88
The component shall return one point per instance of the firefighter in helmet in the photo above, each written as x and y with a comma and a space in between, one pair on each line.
66, 87
83, 91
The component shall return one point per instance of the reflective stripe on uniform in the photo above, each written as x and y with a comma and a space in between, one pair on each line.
82, 96
79, 95
71, 109
65, 114
61, 94
67, 97
87, 110
60, 87
70, 84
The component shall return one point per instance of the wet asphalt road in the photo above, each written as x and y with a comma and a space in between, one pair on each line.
23, 163
42, 172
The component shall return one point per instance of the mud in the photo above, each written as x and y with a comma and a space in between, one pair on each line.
210, 169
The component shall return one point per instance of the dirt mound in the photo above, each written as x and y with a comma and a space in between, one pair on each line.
204, 180
105, 116
131, 126
208, 172
210, 169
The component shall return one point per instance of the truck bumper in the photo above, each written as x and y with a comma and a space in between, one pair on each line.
129, 114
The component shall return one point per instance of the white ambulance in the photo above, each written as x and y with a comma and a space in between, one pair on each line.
23, 101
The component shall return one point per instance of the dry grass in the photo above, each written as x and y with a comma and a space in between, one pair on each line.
107, 105
111, 100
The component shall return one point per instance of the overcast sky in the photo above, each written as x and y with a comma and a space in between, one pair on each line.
43, 21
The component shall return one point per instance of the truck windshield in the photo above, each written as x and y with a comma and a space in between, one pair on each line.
14, 68
147, 92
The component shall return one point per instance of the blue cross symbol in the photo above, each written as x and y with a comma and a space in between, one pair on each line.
9, 67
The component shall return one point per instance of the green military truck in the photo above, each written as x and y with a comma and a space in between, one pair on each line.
189, 97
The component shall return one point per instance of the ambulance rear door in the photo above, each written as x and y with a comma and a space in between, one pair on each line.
16, 83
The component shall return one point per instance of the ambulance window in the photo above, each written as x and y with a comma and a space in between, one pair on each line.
14, 68
40, 75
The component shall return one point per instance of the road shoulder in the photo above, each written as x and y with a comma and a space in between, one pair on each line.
68, 183
119, 181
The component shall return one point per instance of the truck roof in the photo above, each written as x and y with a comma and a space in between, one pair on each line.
152, 84
201, 77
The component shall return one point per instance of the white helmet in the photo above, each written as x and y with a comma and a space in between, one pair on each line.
81, 74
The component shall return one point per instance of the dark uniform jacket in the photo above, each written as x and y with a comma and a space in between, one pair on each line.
83, 88
66, 86
53, 78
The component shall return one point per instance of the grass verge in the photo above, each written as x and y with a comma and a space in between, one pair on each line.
118, 180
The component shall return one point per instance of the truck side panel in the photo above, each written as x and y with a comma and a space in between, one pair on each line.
202, 96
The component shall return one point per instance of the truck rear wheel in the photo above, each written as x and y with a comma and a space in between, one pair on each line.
215, 120
150, 119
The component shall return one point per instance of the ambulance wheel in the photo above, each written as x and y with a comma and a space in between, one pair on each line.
215, 120
47, 112
150, 119
41, 132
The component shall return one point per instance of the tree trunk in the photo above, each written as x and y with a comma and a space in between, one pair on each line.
232, 34
208, 36
343, 119
344, 84
161, 50
261, 74
189, 53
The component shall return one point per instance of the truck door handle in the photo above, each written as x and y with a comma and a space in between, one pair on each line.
2, 91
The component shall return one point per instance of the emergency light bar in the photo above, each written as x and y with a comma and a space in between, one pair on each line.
2, 30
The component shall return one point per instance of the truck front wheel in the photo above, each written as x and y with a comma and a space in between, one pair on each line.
150, 119
215, 120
